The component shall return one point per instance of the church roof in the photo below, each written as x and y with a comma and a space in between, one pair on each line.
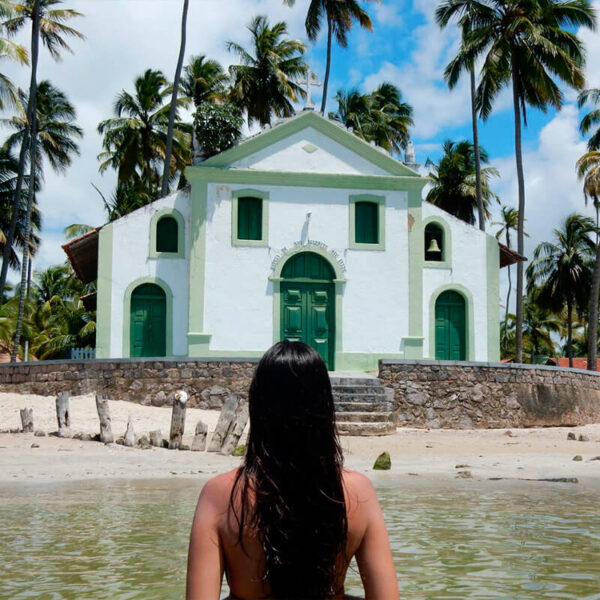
313, 119
83, 255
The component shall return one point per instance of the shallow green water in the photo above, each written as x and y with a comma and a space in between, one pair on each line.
128, 540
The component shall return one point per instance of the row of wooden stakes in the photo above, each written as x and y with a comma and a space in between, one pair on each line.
225, 438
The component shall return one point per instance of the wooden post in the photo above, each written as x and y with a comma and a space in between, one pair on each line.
235, 433
106, 434
130, 437
156, 438
177, 420
62, 414
224, 424
27, 419
199, 443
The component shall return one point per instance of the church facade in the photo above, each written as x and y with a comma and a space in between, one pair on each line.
302, 232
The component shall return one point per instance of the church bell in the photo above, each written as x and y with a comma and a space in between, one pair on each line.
434, 247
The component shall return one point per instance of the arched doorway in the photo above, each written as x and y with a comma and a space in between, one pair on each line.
148, 321
308, 303
450, 326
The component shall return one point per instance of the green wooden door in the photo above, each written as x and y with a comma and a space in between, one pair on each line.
308, 304
148, 321
450, 327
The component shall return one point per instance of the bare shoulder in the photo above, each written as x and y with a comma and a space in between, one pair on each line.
217, 490
359, 488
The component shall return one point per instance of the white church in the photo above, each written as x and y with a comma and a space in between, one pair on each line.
301, 232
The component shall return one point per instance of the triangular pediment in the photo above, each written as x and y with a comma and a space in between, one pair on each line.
310, 143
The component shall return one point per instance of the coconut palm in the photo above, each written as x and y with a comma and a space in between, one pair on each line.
48, 23
340, 16
266, 81
168, 167
562, 270
135, 139
591, 120
588, 169
204, 80
530, 45
379, 117
539, 324
454, 182
464, 11
509, 223
9, 50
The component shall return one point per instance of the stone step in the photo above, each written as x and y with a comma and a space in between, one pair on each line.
355, 406
361, 381
361, 398
358, 389
364, 417
362, 429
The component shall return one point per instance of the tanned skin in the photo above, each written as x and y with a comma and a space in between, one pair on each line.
214, 548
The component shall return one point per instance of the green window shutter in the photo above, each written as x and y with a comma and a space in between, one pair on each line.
366, 219
167, 235
249, 222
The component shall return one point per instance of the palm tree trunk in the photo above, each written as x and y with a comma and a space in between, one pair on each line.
570, 332
520, 236
328, 66
35, 38
14, 217
593, 315
477, 154
173, 108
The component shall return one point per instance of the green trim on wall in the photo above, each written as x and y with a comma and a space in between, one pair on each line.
339, 282
447, 244
493, 299
415, 268
324, 180
252, 193
197, 265
413, 346
358, 361
171, 212
127, 313
380, 201
466, 294
104, 285
314, 120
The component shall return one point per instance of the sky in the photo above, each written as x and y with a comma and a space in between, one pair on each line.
123, 38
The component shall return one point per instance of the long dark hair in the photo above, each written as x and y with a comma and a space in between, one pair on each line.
289, 489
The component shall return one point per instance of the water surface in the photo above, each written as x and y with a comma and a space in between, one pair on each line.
128, 541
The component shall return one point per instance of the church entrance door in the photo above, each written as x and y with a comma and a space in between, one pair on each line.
308, 304
450, 327
148, 322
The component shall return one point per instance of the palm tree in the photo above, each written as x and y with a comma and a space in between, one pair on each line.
135, 140
9, 50
204, 80
168, 167
381, 117
588, 169
525, 44
454, 181
592, 119
265, 83
510, 219
562, 270
49, 24
54, 125
340, 15
464, 11
539, 324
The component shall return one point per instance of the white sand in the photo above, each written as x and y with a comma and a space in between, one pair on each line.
417, 455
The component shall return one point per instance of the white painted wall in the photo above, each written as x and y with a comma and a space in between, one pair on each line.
130, 262
239, 300
469, 269
289, 155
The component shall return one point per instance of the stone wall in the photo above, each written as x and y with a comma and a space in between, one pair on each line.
145, 381
479, 395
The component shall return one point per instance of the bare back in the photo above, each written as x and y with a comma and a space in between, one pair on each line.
214, 547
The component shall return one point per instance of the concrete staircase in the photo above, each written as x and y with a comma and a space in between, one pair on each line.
362, 405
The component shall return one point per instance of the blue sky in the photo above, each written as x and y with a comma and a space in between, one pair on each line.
124, 37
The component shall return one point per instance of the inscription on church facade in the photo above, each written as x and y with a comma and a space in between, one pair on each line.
283, 252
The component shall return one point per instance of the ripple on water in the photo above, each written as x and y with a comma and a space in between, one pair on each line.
128, 540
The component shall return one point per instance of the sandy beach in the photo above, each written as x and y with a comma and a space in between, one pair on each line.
417, 455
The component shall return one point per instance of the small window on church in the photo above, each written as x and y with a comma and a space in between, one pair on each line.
434, 243
366, 220
166, 235
249, 218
